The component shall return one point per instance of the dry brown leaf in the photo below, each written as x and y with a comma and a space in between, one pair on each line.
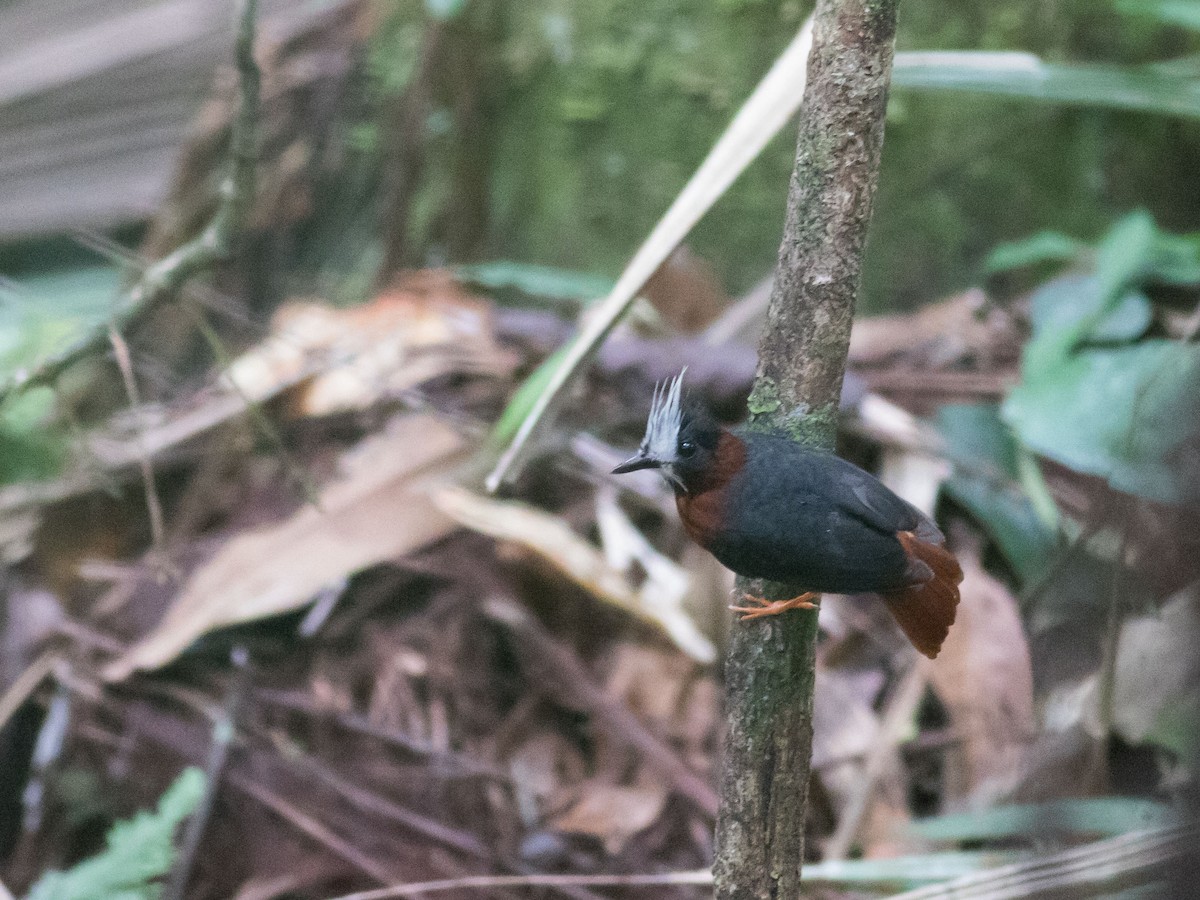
1157, 664
686, 290
614, 813
934, 336
650, 681
846, 730
378, 509
984, 678
324, 360
425, 327
542, 768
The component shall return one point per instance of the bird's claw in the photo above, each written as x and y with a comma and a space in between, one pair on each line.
765, 607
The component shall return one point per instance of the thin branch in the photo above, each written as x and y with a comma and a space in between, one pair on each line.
223, 732
769, 675
153, 504
306, 824
161, 281
292, 469
417, 888
553, 666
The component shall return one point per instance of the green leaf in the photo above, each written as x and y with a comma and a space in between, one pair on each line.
903, 872
525, 398
978, 439
1024, 76
1130, 415
29, 450
1103, 816
985, 482
1043, 247
1185, 13
1107, 305
536, 281
139, 851
445, 10
1008, 517
1061, 306
47, 311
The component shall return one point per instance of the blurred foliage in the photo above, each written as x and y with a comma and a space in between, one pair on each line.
596, 114
1095, 816
1098, 396
139, 851
540, 282
987, 482
40, 314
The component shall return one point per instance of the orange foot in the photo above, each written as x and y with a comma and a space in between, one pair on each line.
763, 607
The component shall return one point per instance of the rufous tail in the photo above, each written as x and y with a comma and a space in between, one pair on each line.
925, 611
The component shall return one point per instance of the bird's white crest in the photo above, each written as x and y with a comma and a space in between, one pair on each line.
666, 418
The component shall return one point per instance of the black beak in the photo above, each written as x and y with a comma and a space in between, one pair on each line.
637, 462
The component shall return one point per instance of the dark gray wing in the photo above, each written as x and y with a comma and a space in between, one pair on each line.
865, 497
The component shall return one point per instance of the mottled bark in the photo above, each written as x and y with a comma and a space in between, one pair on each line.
802, 357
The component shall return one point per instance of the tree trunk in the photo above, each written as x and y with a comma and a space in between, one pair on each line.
802, 358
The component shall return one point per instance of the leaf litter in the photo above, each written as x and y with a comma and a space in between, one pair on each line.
445, 687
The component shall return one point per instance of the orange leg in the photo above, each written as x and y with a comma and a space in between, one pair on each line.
763, 607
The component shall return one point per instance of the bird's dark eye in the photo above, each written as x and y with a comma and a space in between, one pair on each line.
686, 448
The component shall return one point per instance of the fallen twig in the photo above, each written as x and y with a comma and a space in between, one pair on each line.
218, 755
306, 824
564, 675
449, 763
899, 712
413, 889
153, 504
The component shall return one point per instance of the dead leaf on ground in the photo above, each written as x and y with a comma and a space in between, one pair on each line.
1157, 664
984, 677
957, 329
425, 327
614, 813
686, 290
325, 360
542, 768
845, 730
377, 510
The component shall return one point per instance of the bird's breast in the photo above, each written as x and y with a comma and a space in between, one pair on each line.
702, 515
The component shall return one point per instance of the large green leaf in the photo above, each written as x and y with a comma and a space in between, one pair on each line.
1023, 76
1065, 304
1130, 415
1185, 13
1043, 247
1105, 816
986, 483
536, 281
